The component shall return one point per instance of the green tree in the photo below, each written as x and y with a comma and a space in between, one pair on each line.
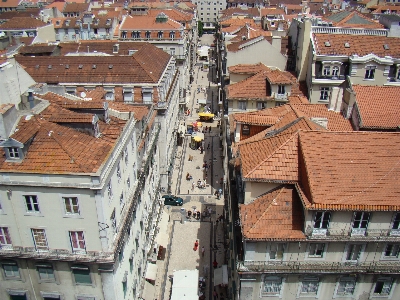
200, 27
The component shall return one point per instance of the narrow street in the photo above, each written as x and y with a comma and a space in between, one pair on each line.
182, 231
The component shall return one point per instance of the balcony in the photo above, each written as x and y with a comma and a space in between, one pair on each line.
330, 77
355, 234
311, 267
57, 254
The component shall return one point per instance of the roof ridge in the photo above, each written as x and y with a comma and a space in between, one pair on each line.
273, 153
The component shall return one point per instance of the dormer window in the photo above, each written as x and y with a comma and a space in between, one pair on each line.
281, 89
13, 152
124, 34
148, 34
172, 34
160, 34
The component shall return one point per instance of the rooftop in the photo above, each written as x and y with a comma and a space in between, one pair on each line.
276, 215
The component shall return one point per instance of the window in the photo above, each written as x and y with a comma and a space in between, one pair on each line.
109, 189
281, 89
309, 286
109, 94
353, 252
121, 201
327, 71
81, 274
260, 105
46, 272
321, 223
160, 34
360, 223
172, 51
172, 34
245, 129
272, 286
316, 250
369, 72
324, 93
119, 172
242, 105
11, 270
346, 286
32, 204
335, 71
276, 251
5, 240
113, 221
39, 237
147, 34
13, 152
77, 241
71, 205
128, 95
383, 286
391, 251
396, 225
124, 34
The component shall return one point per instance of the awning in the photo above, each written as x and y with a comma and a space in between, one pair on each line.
206, 115
151, 271
185, 285
221, 275
198, 137
202, 101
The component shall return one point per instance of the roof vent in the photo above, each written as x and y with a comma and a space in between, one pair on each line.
49, 67
80, 66
67, 66
386, 47
346, 45
110, 66
37, 67
327, 44
94, 67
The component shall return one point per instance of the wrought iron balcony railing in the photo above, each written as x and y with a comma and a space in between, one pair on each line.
392, 267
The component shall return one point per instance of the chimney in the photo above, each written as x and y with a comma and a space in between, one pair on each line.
336, 99
276, 42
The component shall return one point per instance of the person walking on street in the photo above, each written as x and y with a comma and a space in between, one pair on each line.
208, 146
196, 245
215, 264
202, 251
215, 295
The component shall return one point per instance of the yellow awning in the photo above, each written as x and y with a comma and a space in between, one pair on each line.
199, 124
197, 139
206, 115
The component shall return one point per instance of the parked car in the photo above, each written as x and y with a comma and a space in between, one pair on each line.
172, 200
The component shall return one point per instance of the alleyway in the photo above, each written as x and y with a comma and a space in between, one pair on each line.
182, 232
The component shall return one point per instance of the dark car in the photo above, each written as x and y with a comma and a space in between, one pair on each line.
172, 200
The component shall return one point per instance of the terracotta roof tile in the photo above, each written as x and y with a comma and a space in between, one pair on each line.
7, 15
238, 11
10, 3
351, 170
139, 111
277, 215
142, 67
359, 45
71, 118
378, 106
254, 87
149, 23
71, 7
272, 11
22, 23
248, 68
352, 19
105, 46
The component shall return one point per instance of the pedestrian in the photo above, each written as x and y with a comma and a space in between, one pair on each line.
201, 150
196, 245
209, 129
215, 264
209, 211
206, 128
193, 185
215, 294
202, 251
208, 146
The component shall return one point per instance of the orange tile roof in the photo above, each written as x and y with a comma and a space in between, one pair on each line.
57, 149
378, 106
10, 3
71, 7
57, 4
272, 11
279, 77
273, 159
276, 215
148, 23
238, 11
359, 45
248, 68
104, 46
22, 23
145, 66
5, 107
345, 19
351, 170
71, 118
252, 88
140, 112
